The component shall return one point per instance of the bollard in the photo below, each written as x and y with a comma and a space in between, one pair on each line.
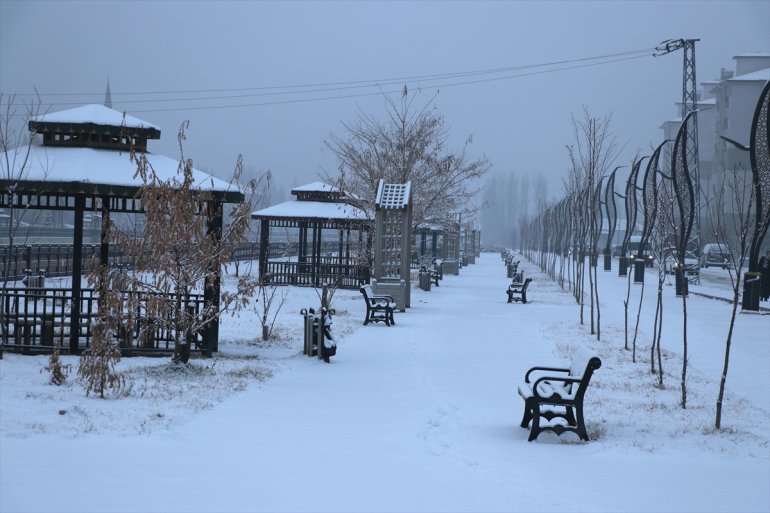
424, 279
623, 266
682, 284
751, 288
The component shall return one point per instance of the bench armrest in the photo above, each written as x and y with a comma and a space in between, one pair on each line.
549, 369
381, 300
554, 379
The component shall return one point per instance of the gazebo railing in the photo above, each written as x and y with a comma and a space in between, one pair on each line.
328, 271
35, 319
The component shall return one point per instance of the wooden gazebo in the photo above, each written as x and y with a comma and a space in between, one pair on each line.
316, 239
79, 161
426, 244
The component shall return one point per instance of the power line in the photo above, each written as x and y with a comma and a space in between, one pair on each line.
341, 86
362, 83
377, 93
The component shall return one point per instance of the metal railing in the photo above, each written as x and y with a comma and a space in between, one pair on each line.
33, 320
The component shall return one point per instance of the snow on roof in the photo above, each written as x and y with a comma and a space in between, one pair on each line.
315, 187
312, 210
94, 113
752, 54
109, 167
762, 74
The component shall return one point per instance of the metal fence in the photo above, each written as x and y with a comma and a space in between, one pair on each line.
33, 320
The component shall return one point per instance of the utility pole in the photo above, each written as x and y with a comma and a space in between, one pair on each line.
689, 104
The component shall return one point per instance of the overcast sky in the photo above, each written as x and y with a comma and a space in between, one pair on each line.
519, 120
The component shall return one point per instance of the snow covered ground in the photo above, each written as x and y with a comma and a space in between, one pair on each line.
421, 416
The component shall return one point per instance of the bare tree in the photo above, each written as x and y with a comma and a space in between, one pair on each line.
271, 303
737, 192
594, 152
15, 162
409, 145
180, 253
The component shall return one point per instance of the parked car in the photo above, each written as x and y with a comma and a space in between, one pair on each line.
717, 255
633, 249
689, 263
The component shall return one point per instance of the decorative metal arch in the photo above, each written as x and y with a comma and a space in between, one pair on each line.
631, 203
683, 188
598, 218
611, 209
760, 166
650, 197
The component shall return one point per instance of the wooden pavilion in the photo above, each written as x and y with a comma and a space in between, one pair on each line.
79, 161
316, 239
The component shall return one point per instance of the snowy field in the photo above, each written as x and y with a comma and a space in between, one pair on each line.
420, 416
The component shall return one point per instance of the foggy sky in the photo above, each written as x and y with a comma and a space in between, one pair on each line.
521, 124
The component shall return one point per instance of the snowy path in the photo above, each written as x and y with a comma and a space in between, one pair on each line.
423, 416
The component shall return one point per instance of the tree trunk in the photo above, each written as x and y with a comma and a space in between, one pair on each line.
684, 355
636, 329
728, 342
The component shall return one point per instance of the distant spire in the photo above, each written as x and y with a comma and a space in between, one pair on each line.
108, 96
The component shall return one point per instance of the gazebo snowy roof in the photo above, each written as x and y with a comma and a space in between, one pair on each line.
315, 200
86, 150
94, 114
103, 172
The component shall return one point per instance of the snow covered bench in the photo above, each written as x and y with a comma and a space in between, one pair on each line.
437, 273
552, 395
379, 308
518, 291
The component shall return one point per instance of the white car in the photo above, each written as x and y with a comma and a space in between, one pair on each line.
717, 255
689, 265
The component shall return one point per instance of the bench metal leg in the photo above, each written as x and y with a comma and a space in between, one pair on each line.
535, 430
581, 427
527, 415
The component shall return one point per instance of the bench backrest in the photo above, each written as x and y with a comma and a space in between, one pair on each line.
583, 366
366, 290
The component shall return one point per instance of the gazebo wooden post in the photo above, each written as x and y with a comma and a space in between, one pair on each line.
212, 283
342, 244
264, 241
104, 250
302, 248
77, 273
347, 247
315, 257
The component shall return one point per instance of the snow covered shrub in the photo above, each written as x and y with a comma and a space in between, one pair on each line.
56, 368
97, 363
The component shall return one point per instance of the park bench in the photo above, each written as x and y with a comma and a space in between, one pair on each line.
379, 308
437, 273
518, 291
551, 392
512, 268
